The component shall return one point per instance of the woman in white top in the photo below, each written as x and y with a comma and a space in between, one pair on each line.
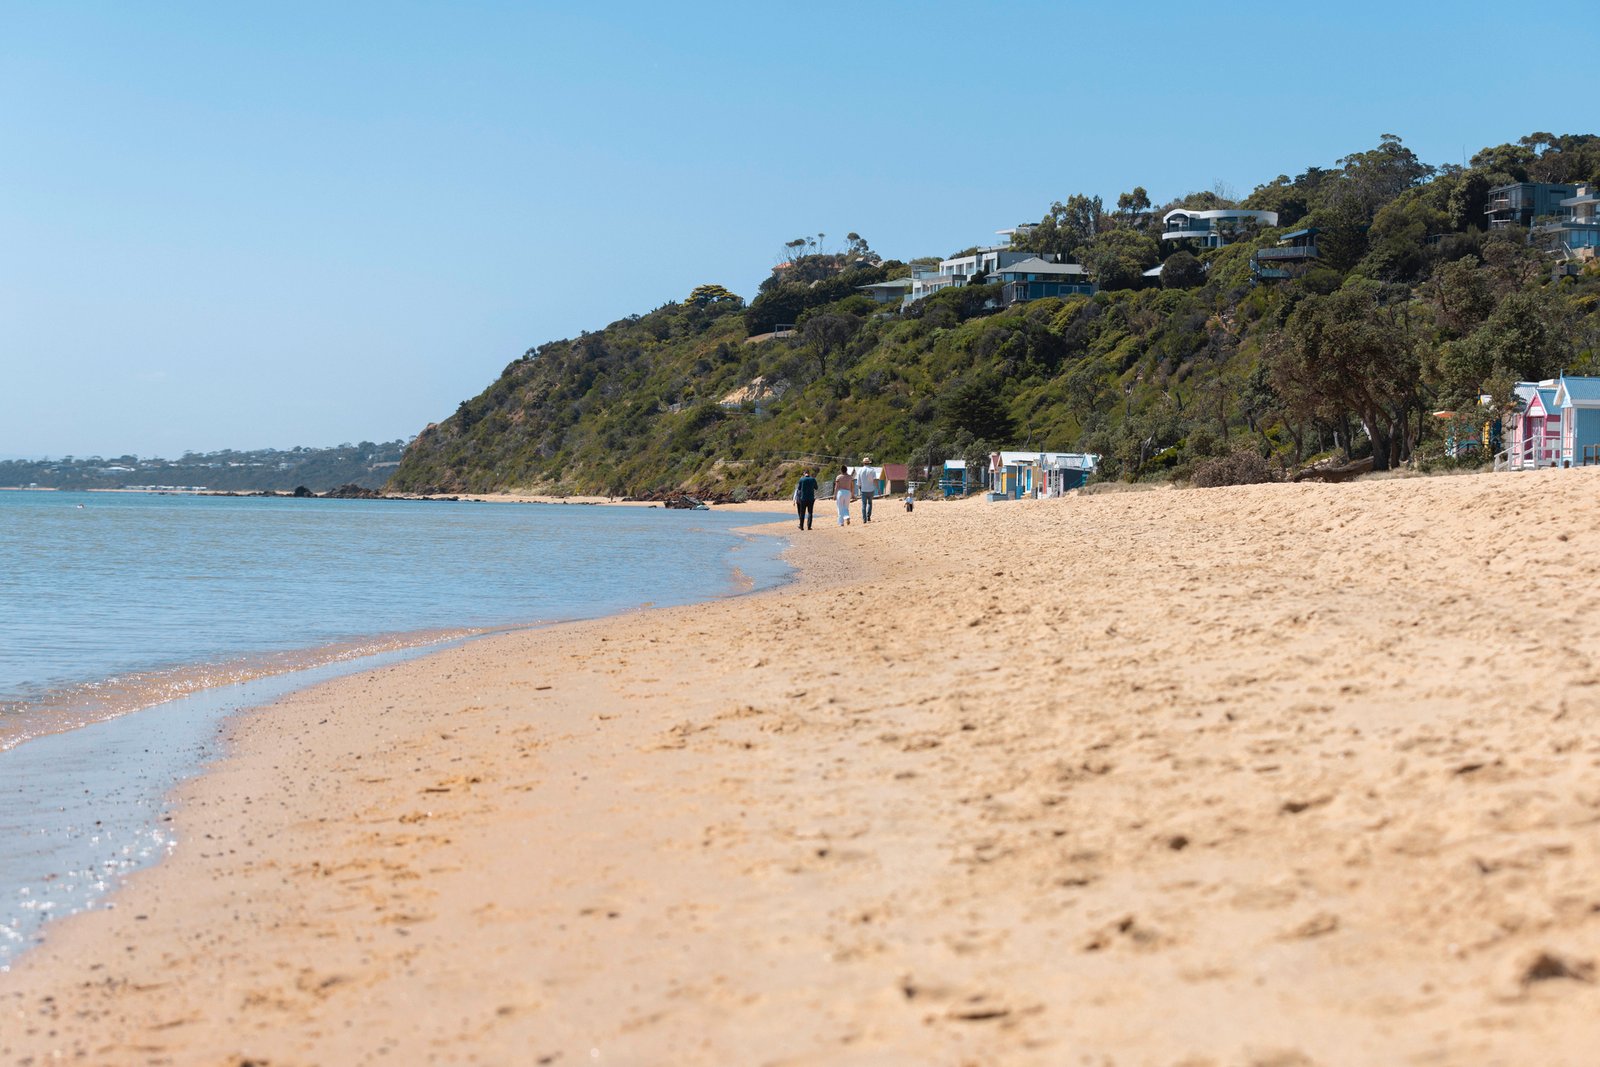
844, 488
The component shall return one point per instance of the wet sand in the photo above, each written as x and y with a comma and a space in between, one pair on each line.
1276, 775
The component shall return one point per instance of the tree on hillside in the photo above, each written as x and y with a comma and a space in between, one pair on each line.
1462, 296
1346, 202
1378, 175
1526, 338
974, 408
1508, 160
1065, 228
1118, 258
1289, 197
1133, 208
1205, 200
1182, 271
1355, 350
856, 247
827, 333
711, 294
1568, 157
1398, 239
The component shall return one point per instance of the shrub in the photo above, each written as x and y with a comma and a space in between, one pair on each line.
1243, 466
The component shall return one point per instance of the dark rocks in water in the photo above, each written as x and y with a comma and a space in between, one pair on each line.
675, 499
301, 490
349, 491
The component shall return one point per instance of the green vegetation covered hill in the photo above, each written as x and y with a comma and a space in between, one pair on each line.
1411, 308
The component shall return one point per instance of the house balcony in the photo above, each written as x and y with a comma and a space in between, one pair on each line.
1292, 252
1021, 292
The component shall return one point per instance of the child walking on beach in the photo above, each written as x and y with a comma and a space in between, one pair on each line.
844, 488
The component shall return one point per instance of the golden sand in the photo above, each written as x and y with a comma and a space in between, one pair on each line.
1278, 775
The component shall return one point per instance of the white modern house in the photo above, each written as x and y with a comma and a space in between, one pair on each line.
1215, 227
983, 261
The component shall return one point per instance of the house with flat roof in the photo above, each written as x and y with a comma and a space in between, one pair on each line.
982, 261
1520, 203
1215, 227
925, 281
1031, 279
1289, 258
893, 291
959, 270
1576, 231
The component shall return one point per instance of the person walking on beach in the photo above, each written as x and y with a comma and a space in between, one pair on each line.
844, 488
866, 486
805, 500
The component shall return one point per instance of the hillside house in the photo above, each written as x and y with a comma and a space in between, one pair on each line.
893, 291
1293, 254
925, 281
1520, 203
1215, 227
1575, 232
1034, 278
982, 261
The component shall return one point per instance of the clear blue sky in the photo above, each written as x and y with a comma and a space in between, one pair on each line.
231, 225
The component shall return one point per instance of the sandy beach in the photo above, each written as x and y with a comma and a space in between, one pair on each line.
1272, 776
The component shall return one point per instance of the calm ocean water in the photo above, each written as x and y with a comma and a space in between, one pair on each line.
125, 598
193, 607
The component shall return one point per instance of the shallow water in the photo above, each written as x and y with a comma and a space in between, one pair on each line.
131, 626
111, 601
81, 810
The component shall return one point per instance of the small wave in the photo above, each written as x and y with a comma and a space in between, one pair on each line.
71, 707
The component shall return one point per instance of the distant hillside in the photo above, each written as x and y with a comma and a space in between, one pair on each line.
1408, 307
365, 464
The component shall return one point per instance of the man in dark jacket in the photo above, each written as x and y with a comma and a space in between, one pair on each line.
805, 499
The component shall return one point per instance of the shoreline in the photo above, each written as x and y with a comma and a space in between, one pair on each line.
1255, 775
754, 506
100, 700
71, 703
